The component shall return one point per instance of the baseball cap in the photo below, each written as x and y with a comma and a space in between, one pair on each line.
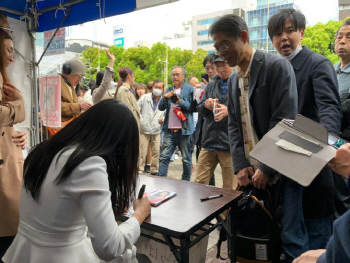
218, 59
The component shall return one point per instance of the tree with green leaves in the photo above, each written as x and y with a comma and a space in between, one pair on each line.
320, 38
146, 62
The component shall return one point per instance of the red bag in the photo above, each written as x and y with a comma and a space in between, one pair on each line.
180, 115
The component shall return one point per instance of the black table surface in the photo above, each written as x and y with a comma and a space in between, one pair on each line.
183, 214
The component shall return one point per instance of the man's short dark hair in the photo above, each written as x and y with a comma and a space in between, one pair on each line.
277, 21
157, 81
346, 23
210, 58
231, 25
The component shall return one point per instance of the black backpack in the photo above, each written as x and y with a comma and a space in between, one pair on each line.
257, 233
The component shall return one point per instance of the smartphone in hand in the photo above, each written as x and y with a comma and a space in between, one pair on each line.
206, 77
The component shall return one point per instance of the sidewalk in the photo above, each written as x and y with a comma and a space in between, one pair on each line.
175, 171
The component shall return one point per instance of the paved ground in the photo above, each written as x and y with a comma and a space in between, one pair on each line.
175, 171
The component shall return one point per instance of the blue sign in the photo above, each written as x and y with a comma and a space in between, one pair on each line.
119, 42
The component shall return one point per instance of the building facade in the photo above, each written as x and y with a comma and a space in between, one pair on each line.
257, 22
200, 28
344, 9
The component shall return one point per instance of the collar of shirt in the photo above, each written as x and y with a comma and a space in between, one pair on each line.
66, 80
155, 103
338, 68
126, 85
240, 73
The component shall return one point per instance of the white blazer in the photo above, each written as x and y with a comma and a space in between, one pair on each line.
53, 229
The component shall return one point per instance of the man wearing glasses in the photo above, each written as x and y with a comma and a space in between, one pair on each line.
215, 142
72, 72
178, 123
261, 93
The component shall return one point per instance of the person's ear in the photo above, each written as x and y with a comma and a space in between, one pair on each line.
302, 33
244, 36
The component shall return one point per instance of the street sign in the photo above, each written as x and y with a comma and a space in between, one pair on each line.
57, 45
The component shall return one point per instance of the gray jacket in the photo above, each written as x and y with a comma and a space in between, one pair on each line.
214, 134
101, 93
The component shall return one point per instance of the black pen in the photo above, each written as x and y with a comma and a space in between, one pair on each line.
142, 191
211, 197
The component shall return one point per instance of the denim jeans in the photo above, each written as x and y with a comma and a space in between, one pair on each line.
170, 141
298, 234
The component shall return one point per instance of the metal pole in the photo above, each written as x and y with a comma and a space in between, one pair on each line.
34, 66
267, 33
166, 68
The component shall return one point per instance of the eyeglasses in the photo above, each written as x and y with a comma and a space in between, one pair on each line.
8, 30
176, 75
221, 48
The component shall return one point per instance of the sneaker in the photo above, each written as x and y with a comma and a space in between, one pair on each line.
155, 174
147, 168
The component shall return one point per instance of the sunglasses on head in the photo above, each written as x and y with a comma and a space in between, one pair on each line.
6, 29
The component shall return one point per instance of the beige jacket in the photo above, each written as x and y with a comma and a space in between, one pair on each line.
69, 102
11, 164
127, 97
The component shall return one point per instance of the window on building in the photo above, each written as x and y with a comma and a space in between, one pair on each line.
206, 21
202, 43
253, 34
343, 7
202, 32
255, 21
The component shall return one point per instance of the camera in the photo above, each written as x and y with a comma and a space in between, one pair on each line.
174, 98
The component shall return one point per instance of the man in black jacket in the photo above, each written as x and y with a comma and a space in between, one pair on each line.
306, 216
215, 142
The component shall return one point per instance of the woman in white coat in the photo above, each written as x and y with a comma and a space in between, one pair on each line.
75, 180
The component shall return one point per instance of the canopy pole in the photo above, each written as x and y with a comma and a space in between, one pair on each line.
11, 11
35, 99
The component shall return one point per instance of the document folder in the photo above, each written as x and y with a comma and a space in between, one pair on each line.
297, 149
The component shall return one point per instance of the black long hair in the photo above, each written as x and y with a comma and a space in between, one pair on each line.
99, 78
109, 130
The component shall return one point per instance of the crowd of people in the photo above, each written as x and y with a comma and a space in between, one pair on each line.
89, 167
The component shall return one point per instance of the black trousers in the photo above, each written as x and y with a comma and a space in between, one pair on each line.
5, 243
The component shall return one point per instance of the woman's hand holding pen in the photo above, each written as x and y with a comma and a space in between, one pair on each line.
142, 206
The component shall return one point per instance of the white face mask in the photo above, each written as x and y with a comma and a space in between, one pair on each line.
157, 92
293, 54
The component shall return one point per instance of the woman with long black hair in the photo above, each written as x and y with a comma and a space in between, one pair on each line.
76, 179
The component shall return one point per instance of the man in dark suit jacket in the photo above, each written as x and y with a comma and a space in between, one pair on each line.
309, 226
270, 85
